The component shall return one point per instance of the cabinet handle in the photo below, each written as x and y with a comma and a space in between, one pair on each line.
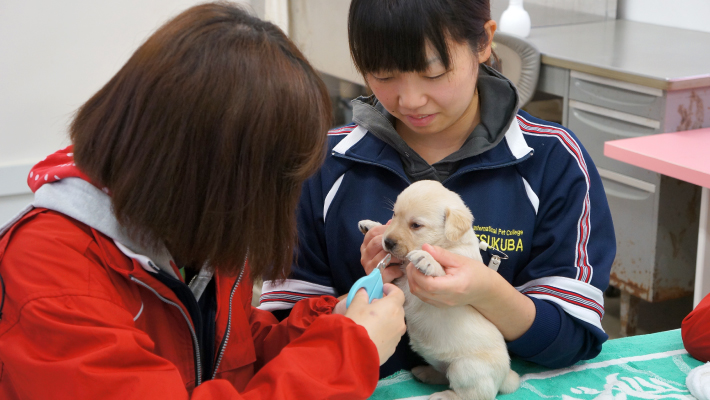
613, 114
632, 87
628, 188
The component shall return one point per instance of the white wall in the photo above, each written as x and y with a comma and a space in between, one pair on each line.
686, 14
53, 56
604, 8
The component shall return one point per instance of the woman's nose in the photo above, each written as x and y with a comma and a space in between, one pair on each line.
411, 97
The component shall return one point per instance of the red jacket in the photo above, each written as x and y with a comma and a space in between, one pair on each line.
81, 320
696, 331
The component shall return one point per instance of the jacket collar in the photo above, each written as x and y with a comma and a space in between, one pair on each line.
84, 202
79, 199
360, 145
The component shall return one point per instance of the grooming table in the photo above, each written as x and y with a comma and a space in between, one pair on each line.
638, 367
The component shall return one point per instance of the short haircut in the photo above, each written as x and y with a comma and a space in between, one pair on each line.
204, 138
391, 35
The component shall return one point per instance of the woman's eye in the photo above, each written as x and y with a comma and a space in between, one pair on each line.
383, 78
436, 76
415, 225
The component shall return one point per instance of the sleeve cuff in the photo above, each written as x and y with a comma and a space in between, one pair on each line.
355, 346
543, 331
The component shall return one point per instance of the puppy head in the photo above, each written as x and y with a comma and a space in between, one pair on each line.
426, 212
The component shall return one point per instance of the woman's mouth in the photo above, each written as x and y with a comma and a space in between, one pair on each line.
420, 119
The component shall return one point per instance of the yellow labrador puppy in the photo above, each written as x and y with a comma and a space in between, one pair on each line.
458, 342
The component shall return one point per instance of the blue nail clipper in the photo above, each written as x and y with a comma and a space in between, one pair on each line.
372, 283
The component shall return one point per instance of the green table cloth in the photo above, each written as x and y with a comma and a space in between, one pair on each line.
640, 367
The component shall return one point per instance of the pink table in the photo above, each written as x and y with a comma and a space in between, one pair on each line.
681, 155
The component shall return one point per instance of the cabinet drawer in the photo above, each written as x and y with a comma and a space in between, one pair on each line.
595, 125
553, 80
617, 95
635, 215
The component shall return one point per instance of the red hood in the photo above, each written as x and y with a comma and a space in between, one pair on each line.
55, 167
61, 165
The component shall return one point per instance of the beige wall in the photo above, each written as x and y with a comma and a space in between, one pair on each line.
55, 55
686, 14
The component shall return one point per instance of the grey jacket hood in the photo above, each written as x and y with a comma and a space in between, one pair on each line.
499, 105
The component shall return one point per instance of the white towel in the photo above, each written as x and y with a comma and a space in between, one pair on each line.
698, 382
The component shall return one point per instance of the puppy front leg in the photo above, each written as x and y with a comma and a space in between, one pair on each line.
365, 225
425, 263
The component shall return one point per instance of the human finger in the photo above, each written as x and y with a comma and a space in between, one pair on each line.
370, 262
391, 273
416, 276
372, 233
413, 275
422, 286
340, 307
432, 284
360, 299
373, 254
446, 258
393, 293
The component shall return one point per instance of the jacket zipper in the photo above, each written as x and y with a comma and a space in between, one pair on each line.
225, 339
195, 343
467, 170
339, 155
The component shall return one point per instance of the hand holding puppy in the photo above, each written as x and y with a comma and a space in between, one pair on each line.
371, 253
383, 318
467, 281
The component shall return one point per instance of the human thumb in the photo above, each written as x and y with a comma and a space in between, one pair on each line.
392, 292
444, 257
360, 298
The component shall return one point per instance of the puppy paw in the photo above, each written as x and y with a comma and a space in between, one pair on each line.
425, 263
429, 375
365, 225
445, 395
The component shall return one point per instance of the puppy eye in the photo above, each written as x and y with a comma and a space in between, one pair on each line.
415, 225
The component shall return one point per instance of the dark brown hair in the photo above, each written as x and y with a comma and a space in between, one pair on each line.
391, 35
205, 137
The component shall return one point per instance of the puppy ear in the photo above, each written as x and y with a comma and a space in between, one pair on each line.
458, 221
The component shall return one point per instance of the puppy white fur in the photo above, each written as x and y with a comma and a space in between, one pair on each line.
458, 342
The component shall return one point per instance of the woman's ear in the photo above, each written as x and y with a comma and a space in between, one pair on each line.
485, 53
458, 222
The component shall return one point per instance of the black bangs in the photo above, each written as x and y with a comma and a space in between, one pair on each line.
391, 35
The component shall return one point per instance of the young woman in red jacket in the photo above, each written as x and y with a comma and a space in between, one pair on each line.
127, 276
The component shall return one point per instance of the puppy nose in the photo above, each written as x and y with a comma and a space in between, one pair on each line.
389, 244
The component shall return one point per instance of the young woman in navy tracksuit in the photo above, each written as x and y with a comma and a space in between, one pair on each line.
438, 112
